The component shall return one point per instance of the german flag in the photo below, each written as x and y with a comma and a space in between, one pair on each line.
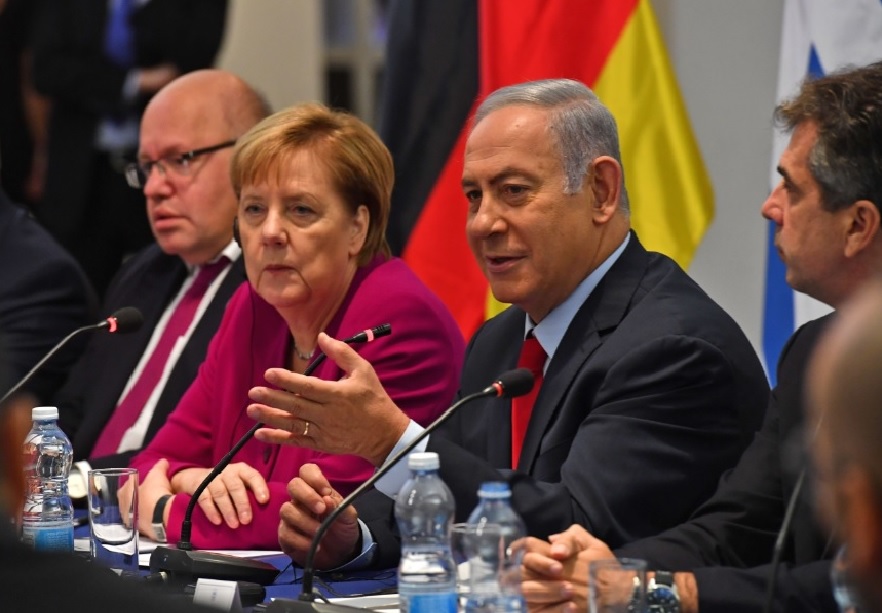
445, 56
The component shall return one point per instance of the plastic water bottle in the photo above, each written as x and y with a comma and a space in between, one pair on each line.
494, 558
424, 511
47, 520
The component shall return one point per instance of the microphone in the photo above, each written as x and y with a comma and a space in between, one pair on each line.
123, 321
365, 336
517, 382
186, 563
783, 532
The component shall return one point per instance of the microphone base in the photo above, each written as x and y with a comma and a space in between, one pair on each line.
287, 605
183, 566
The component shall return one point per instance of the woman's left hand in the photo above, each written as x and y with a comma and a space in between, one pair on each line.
154, 486
352, 416
226, 497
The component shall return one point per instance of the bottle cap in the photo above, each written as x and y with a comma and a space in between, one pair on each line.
423, 461
44, 413
494, 489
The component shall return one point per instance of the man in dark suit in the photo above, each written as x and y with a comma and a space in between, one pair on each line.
827, 215
186, 142
44, 296
99, 62
649, 387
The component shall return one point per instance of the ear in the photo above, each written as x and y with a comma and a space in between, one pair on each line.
863, 227
361, 221
605, 181
862, 520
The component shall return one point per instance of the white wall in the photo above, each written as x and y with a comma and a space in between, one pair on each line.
276, 45
725, 54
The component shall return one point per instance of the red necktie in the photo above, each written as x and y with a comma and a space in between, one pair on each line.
130, 407
532, 357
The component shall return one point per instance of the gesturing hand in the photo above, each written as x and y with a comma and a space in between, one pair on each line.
352, 416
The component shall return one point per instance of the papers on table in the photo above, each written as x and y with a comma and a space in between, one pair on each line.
146, 547
387, 603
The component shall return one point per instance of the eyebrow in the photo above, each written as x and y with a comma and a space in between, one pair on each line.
175, 153
784, 174
502, 175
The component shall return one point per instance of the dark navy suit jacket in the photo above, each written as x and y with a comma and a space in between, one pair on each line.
728, 543
652, 394
44, 296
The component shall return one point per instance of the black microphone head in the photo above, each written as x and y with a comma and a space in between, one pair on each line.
368, 336
513, 383
382, 330
128, 319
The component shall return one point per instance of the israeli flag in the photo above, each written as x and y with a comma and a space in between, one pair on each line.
819, 36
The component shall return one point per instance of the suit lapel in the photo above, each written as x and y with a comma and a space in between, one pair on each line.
597, 317
157, 285
497, 412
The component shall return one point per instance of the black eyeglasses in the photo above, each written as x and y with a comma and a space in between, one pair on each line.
137, 173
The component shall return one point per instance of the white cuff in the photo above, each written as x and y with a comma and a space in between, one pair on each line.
363, 559
392, 481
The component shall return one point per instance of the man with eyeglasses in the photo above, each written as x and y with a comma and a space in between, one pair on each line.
122, 389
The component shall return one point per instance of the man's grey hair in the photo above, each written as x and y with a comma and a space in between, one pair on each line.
581, 126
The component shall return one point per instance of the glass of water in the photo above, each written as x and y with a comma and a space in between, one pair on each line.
113, 518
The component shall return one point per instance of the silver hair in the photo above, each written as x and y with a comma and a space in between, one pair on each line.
581, 126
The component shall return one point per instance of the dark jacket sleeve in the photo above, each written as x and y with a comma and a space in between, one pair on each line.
376, 510
729, 542
735, 527
44, 296
798, 589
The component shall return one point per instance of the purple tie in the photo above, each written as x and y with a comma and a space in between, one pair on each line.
129, 409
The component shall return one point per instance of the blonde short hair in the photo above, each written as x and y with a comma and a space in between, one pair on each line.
359, 163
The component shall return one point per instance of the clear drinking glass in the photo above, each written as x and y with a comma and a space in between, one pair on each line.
458, 540
113, 518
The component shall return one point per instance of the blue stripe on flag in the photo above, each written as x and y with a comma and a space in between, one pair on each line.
778, 316
814, 64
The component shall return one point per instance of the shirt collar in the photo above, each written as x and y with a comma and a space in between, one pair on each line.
232, 252
550, 331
